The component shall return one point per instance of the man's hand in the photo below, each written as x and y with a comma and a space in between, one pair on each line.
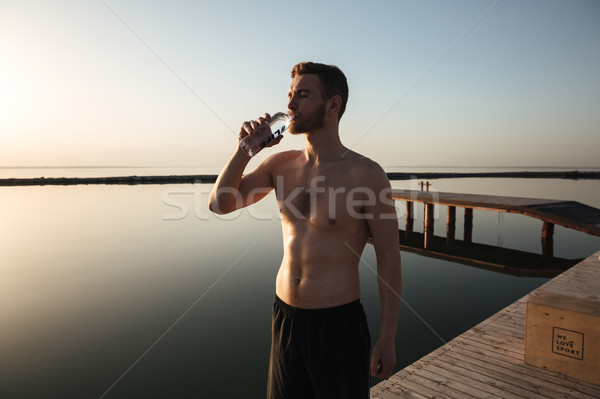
234, 189
383, 359
256, 127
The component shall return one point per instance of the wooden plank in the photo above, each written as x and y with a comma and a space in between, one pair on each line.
387, 390
434, 388
400, 385
567, 387
474, 377
491, 340
462, 344
510, 335
570, 210
513, 324
510, 323
519, 336
447, 386
467, 352
496, 342
492, 370
391, 389
479, 201
546, 387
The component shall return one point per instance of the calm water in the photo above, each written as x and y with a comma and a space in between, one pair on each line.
138, 291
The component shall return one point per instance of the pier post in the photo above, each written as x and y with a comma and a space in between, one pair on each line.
410, 218
428, 228
424, 184
451, 225
547, 240
468, 233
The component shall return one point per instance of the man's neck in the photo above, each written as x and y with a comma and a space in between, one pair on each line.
324, 144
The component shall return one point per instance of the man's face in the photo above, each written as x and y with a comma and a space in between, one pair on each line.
306, 104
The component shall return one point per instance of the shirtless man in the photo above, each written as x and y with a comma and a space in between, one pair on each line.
331, 199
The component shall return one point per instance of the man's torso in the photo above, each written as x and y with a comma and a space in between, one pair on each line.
324, 231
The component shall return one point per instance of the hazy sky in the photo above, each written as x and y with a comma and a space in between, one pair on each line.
168, 83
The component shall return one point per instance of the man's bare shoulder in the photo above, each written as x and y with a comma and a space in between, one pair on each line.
281, 158
364, 167
284, 156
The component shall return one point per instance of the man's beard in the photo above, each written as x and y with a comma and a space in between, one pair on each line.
309, 123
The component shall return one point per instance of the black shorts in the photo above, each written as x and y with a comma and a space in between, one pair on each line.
319, 353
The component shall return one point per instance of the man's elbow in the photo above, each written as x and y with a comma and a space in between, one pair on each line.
224, 201
219, 209
214, 209
218, 204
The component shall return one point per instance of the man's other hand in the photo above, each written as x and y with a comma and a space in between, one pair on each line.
383, 359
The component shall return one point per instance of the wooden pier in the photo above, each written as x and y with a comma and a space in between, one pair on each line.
569, 214
488, 360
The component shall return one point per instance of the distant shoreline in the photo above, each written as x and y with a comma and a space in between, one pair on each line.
197, 179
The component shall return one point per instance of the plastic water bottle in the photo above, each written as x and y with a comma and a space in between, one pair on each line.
253, 143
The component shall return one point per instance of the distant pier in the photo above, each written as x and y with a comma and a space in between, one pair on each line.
569, 214
111, 180
196, 179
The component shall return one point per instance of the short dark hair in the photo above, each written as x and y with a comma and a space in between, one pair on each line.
333, 81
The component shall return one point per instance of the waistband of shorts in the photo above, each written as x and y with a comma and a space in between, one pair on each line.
319, 311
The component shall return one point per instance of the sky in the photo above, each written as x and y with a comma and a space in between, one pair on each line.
169, 83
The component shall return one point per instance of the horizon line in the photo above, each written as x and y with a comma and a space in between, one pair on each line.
215, 166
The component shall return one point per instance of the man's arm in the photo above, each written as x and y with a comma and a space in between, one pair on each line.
234, 190
384, 230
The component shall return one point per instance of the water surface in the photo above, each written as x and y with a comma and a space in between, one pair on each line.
138, 291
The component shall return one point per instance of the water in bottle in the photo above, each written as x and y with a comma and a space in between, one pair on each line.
253, 143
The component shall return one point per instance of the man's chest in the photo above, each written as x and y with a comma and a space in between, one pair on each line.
327, 200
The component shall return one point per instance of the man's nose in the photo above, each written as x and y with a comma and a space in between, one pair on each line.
292, 105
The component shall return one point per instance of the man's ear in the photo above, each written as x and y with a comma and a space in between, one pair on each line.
334, 104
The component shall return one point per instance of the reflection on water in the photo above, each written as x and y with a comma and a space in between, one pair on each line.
96, 279
491, 257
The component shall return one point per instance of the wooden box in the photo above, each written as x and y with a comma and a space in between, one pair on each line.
562, 334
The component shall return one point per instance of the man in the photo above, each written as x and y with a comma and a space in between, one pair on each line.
331, 199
